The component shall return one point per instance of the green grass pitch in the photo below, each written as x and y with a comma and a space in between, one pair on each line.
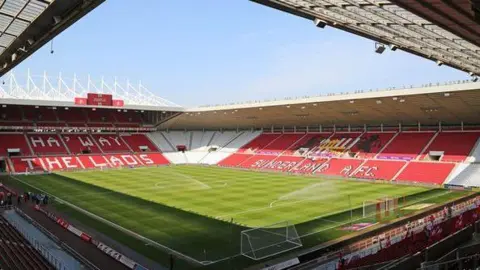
190, 209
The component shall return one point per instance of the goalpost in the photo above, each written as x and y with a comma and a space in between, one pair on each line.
263, 242
380, 208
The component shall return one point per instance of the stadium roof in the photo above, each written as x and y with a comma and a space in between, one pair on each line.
26, 25
444, 31
450, 104
62, 91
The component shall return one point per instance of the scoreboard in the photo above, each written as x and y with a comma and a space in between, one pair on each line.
94, 99
99, 99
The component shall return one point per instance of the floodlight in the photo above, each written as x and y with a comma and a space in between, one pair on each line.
439, 63
393, 47
56, 20
379, 48
474, 78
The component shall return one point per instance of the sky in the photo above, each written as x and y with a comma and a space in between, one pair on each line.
196, 52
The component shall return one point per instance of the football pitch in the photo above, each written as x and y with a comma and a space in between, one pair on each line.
198, 213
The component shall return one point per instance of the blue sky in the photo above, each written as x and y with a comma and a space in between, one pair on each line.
196, 52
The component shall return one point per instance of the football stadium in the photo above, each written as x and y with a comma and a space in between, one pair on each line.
99, 175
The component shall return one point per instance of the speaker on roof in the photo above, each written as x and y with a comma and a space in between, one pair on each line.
320, 23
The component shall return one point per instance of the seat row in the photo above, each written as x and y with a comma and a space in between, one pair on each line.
444, 146
399, 170
70, 115
16, 252
61, 144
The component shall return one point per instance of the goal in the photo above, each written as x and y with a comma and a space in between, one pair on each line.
263, 242
380, 208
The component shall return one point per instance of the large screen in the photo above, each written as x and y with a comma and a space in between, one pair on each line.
99, 99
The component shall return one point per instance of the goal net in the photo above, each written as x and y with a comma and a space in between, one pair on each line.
380, 208
263, 242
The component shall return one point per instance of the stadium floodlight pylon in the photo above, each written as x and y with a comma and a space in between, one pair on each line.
263, 242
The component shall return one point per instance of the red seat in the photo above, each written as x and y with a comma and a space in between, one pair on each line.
307, 143
44, 114
80, 143
426, 172
371, 143
379, 169
72, 115
259, 142
135, 141
339, 167
406, 146
308, 166
46, 144
234, 160
279, 145
257, 161
10, 141
284, 163
457, 151
111, 143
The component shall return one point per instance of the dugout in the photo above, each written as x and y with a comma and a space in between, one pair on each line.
3, 165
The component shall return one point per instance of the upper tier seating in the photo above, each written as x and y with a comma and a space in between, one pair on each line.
126, 117
177, 138
339, 167
371, 143
379, 169
406, 146
426, 172
80, 143
46, 144
455, 145
279, 145
111, 143
136, 141
11, 113
100, 116
259, 142
16, 252
42, 114
12, 141
307, 143
72, 115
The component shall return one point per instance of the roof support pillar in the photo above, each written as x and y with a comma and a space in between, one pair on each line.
399, 126
461, 125
439, 125
381, 127
307, 129
320, 128
419, 126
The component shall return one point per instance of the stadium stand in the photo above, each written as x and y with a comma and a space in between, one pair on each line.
280, 144
308, 166
406, 145
234, 160
111, 143
11, 113
139, 143
16, 252
284, 163
453, 152
259, 143
39, 114
73, 116
46, 144
339, 167
426, 172
14, 141
371, 143
379, 169
81, 144
465, 174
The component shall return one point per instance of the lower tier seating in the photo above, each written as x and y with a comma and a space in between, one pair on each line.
284, 163
465, 174
56, 163
111, 143
139, 143
14, 141
16, 252
234, 160
46, 144
426, 172
80, 143
257, 161
339, 167
379, 169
